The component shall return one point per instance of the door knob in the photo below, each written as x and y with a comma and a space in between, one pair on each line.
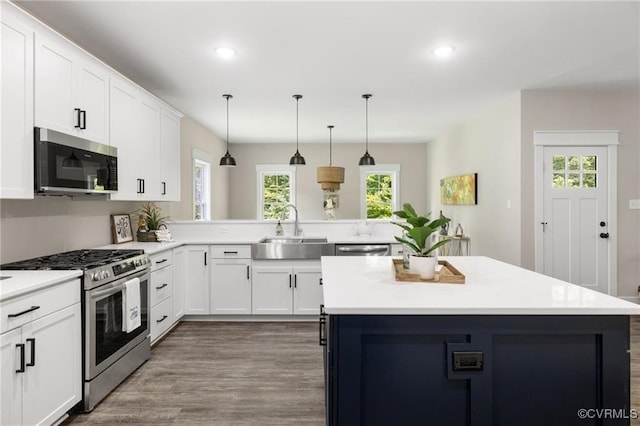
604, 235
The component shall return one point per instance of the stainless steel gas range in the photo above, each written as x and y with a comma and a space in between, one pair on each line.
110, 353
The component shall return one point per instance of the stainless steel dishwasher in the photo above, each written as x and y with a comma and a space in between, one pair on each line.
363, 249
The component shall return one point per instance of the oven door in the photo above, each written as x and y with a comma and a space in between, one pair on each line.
105, 340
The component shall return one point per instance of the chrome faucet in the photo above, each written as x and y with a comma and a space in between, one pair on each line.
295, 225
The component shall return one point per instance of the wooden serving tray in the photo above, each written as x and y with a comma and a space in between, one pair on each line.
447, 274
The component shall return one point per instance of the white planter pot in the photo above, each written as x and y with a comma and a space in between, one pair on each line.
425, 266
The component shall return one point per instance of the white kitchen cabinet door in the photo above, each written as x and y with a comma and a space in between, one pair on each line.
122, 128
54, 383
169, 156
148, 139
72, 90
93, 100
307, 291
230, 286
196, 280
10, 380
178, 284
54, 80
271, 291
16, 93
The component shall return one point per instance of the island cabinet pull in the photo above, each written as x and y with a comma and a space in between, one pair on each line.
289, 280
322, 323
21, 346
162, 286
164, 317
33, 352
31, 309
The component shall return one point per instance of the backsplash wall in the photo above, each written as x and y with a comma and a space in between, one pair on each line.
47, 225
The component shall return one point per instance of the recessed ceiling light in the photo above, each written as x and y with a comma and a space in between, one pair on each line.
225, 52
443, 51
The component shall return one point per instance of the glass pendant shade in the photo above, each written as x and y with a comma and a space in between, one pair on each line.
297, 159
227, 159
366, 159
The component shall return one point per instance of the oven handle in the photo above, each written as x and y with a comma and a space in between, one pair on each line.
116, 287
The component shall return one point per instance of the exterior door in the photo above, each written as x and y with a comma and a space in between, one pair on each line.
575, 235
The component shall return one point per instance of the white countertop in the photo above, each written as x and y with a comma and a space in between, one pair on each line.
24, 282
367, 286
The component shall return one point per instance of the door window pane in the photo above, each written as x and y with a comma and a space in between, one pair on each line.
573, 180
589, 162
558, 162
573, 163
558, 180
589, 180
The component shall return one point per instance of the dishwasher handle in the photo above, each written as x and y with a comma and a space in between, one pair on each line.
363, 249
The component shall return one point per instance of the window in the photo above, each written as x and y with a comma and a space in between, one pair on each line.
201, 185
379, 189
575, 171
276, 188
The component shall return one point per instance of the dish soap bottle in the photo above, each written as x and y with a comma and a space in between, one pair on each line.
279, 230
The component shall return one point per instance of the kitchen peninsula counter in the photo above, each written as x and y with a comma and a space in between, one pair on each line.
509, 346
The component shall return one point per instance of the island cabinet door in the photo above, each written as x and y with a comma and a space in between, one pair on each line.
477, 370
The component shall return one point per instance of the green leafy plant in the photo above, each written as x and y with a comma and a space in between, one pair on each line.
419, 229
151, 215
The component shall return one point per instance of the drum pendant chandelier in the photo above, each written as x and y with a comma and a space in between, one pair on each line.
330, 177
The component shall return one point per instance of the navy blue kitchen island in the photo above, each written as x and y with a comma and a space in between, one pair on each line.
521, 349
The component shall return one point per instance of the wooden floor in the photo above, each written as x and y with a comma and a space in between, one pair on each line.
207, 373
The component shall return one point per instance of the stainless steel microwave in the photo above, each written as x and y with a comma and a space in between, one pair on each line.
66, 164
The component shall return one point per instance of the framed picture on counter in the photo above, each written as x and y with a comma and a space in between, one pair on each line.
121, 228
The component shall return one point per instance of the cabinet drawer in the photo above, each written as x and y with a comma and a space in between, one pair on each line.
48, 300
161, 285
160, 260
161, 318
231, 252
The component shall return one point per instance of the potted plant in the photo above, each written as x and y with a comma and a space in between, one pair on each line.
417, 236
150, 219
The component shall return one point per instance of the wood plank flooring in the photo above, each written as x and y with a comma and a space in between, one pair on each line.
207, 373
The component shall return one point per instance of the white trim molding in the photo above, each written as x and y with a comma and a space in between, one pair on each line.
605, 138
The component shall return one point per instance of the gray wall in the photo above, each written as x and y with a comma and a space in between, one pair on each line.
490, 146
194, 135
242, 179
588, 110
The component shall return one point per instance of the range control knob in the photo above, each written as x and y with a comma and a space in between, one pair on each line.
95, 277
103, 274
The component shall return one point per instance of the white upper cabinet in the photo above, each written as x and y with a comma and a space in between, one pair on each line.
16, 93
71, 90
169, 156
122, 127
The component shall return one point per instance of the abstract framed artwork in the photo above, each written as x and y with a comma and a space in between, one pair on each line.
461, 190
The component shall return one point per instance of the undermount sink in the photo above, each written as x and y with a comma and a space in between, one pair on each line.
291, 248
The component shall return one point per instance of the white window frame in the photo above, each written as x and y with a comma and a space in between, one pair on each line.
394, 170
272, 169
204, 159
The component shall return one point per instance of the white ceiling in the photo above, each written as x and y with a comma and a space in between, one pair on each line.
333, 52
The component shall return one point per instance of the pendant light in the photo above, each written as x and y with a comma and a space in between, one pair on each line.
366, 159
297, 159
330, 177
227, 160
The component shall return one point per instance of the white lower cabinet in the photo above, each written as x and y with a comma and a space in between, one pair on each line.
41, 360
161, 293
286, 287
196, 280
230, 280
